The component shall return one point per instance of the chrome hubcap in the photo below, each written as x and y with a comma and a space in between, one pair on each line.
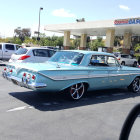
136, 85
77, 91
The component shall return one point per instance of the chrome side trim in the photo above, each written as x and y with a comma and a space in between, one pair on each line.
72, 77
114, 75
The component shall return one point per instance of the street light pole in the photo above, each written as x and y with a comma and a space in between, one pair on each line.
41, 8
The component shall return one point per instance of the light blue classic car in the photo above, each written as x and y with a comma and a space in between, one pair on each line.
76, 72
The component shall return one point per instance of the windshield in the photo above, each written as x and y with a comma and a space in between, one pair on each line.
67, 57
21, 51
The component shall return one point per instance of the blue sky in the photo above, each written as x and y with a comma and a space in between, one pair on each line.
24, 13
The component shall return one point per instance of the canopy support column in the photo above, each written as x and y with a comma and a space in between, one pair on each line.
110, 40
66, 42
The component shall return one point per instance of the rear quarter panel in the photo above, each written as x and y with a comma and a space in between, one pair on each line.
59, 80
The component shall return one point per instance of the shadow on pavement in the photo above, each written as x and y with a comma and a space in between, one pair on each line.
57, 101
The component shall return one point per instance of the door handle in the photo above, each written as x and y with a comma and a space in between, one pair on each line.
6, 51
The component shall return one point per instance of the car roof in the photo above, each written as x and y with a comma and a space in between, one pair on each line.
91, 52
31, 48
9, 43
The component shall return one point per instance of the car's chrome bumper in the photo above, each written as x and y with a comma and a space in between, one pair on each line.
20, 82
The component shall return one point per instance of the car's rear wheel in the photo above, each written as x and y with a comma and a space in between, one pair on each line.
135, 64
77, 91
123, 63
135, 85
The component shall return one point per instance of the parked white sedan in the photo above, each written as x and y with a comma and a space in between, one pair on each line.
126, 59
32, 54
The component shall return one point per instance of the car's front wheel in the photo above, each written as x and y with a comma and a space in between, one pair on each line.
135, 64
135, 85
77, 91
123, 63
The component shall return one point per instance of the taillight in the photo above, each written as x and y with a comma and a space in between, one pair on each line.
11, 71
5, 69
24, 74
24, 57
33, 77
119, 59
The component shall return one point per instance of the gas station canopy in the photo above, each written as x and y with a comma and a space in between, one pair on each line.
99, 28
110, 28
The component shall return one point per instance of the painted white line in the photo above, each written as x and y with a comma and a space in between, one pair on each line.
30, 107
20, 108
102, 97
118, 94
46, 104
17, 109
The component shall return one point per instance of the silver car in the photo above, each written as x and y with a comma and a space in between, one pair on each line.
126, 59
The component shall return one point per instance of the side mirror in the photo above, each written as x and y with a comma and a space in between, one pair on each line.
130, 129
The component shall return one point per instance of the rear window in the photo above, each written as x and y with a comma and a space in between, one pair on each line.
21, 51
41, 52
116, 54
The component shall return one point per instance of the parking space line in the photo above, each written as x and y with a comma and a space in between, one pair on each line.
30, 107
19, 108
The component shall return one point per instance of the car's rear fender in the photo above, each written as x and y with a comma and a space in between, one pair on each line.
76, 82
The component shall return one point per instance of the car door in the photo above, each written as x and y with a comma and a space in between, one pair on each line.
126, 59
9, 49
98, 72
117, 76
131, 60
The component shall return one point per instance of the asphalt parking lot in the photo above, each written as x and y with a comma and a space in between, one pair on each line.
99, 115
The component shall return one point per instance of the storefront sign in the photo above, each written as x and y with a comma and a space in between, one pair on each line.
127, 21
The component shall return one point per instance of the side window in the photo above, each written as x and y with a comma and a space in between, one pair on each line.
9, 47
51, 52
98, 60
41, 53
0, 47
112, 62
17, 47
125, 56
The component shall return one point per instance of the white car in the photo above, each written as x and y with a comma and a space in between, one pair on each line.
126, 59
7, 49
32, 54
